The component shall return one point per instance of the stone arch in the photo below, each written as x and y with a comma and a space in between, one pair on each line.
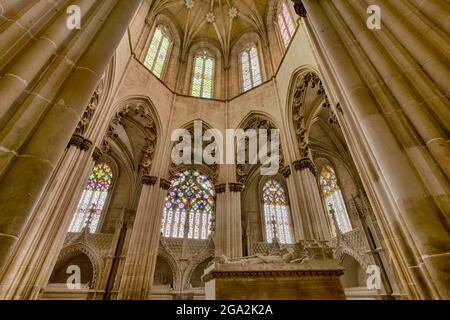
257, 120
211, 171
305, 95
341, 251
354, 275
204, 256
163, 253
139, 111
97, 265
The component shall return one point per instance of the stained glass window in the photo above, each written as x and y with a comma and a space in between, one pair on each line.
93, 199
285, 24
250, 68
188, 207
276, 213
333, 196
158, 51
202, 81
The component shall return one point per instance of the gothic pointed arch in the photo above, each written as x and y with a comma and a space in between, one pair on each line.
255, 121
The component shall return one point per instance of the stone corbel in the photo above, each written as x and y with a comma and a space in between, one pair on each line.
86, 145
97, 155
305, 163
299, 8
149, 180
286, 172
236, 187
164, 184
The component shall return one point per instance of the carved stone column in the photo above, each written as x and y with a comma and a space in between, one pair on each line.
395, 120
233, 222
36, 253
298, 219
137, 277
313, 217
32, 169
220, 218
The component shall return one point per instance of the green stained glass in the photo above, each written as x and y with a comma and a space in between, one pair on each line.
158, 51
202, 81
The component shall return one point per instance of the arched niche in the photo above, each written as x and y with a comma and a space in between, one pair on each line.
71, 259
354, 275
164, 275
197, 273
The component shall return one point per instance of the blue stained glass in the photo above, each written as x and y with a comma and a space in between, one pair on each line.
193, 196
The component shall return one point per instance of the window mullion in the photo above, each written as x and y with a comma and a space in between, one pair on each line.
203, 77
158, 52
249, 62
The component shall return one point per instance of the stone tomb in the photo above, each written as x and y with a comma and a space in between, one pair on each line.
307, 272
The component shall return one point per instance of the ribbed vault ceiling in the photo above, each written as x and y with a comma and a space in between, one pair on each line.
220, 21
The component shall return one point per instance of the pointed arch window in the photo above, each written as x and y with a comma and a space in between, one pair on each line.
202, 81
93, 199
285, 24
158, 51
276, 212
333, 197
250, 68
189, 207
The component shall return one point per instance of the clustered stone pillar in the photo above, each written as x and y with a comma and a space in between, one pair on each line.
30, 267
220, 215
26, 168
313, 220
392, 86
298, 220
233, 226
139, 268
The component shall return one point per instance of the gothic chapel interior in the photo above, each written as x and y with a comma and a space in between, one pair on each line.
86, 120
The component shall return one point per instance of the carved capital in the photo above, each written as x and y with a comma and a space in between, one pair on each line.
220, 188
86, 145
149, 180
80, 142
97, 155
286, 171
299, 8
76, 141
305, 163
164, 184
236, 187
